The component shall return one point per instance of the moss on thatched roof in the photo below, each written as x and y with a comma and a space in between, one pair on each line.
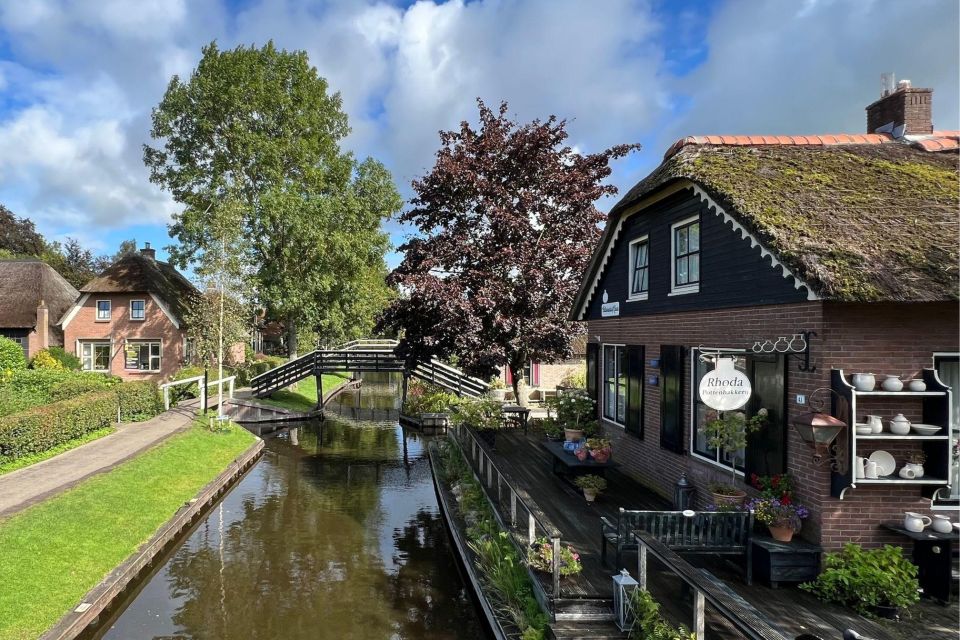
857, 222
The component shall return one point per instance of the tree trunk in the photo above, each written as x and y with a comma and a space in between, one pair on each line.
291, 336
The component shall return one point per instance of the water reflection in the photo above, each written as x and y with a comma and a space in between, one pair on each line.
334, 534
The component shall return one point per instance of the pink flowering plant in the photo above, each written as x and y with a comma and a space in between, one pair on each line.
540, 557
776, 512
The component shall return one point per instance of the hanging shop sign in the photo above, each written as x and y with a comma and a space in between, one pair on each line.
725, 388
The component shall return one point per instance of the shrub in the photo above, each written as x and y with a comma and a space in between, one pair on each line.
864, 579
184, 391
43, 360
649, 624
41, 428
68, 360
11, 355
482, 414
138, 400
78, 384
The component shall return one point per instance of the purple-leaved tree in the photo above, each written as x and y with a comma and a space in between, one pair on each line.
506, 224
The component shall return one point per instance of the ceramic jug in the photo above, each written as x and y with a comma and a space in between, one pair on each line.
915, 522
870, 470
860, 467
941, 524
876, 423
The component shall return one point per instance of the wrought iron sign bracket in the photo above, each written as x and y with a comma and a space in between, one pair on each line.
797, 346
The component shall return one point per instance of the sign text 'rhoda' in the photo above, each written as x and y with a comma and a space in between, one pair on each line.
725, 388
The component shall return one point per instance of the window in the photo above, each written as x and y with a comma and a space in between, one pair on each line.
138, 310
686, 256
614, 384
765, 453
639, 268
103, 310
95, 356
142, 356
18, 336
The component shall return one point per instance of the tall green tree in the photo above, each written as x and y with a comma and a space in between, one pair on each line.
18, 236
260, 125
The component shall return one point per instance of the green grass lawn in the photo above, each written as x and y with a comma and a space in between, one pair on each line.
53, 553
26, 461
302, 396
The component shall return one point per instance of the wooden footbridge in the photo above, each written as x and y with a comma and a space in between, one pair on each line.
365, 356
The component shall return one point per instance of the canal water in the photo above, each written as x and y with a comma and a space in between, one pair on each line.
335, 533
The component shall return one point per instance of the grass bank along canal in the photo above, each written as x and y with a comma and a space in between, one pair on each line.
335, 533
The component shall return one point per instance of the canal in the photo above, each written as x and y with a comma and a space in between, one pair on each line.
335, 533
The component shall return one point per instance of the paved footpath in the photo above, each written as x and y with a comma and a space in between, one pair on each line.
27, 486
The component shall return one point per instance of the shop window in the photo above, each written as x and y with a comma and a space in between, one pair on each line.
142, 356
614, 383
95, 356
765, 453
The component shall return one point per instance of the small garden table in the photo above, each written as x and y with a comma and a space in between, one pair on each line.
933, 555
776, 562
568, 466
516, 413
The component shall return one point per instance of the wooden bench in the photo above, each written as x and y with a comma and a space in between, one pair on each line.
714, 532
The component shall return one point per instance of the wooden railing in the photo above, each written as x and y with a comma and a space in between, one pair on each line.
230, 380
515, 510
739, 613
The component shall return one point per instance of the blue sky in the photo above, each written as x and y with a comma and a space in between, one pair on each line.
78, 80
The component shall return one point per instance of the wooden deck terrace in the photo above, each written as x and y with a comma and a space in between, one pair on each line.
792, 611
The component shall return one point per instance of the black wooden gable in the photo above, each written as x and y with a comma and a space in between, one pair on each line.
735, 270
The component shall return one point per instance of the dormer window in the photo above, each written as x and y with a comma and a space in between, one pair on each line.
685, 267
639, 268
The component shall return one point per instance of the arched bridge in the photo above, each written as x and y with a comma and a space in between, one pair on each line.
360, 356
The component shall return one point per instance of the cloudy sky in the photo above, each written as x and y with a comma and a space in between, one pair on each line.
78, 79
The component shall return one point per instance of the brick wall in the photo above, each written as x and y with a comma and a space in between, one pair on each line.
881, 338
121, 327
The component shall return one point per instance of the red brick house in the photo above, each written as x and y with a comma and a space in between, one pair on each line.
33, 296
740, 243
128, 321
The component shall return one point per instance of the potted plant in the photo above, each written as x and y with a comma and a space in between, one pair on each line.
727, 431
540, 557
915, 460
498, 391
782, 516
576, 411
873, 582
600, 449
552, 429
591, 485
484, 415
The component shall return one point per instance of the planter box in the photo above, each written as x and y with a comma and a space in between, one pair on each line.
776, 562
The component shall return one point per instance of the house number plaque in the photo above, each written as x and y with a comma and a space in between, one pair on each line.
725, 388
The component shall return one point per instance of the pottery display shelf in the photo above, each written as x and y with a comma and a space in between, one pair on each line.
935, 407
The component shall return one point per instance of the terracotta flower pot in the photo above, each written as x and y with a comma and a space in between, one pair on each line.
600, 455
590, 494
573, 435
581, 454
781, 534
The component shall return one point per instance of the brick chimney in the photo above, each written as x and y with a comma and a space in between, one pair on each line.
148, 252
905, 110
43, 325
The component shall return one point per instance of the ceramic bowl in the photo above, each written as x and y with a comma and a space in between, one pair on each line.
864, 430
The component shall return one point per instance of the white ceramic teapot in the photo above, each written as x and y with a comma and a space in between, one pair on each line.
900, 425
915, 522
941, 524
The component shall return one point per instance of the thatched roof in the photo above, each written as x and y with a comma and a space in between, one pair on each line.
857, 222
136, 273
23, 284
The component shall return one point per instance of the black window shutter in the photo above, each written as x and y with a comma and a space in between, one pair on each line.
634, 370
767, 448
671, 398
593, 356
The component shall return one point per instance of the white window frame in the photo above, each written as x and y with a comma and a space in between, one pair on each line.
144, 316
149, 342
603, 382
947, 503
692, 445
94, 343
686, 288
631, 267
97, 317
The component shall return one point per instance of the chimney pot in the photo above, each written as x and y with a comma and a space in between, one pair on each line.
148, 252
43, 325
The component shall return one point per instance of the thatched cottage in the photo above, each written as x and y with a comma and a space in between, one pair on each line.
33, 296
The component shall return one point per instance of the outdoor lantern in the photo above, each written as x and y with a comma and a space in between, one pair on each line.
683, 492
623, 586
819, 430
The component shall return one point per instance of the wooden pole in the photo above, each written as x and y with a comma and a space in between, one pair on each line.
319, 377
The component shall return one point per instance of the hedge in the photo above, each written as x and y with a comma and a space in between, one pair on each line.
41, 428
35, 387
11, 356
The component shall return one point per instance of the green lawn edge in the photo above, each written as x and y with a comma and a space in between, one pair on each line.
53, 553
302, 396
26, 461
